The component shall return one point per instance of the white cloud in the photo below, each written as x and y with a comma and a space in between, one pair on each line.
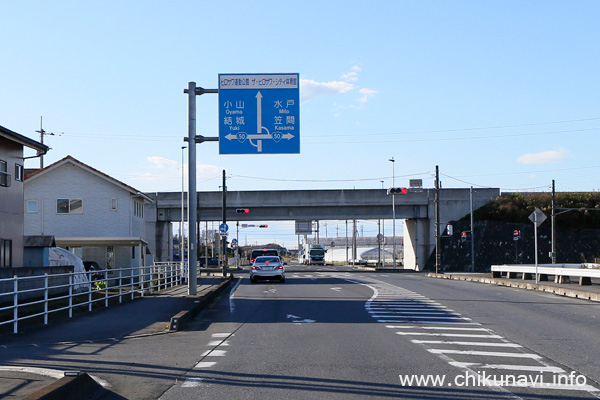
161, 162
366, 93
309, 89
351, 76
544, 157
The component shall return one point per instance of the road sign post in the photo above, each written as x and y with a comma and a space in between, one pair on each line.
259, 114
537, 217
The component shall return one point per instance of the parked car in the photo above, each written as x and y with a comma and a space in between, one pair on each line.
267, 267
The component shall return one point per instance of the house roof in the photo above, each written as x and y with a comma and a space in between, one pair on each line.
34, 174
24, 140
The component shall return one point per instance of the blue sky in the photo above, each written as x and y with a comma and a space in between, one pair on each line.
497, 93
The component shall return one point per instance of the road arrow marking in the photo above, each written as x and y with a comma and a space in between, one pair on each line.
292, 316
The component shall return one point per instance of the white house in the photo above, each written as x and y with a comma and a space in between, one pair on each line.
92, 214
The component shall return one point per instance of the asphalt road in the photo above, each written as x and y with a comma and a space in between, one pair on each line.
342, 334
339, 333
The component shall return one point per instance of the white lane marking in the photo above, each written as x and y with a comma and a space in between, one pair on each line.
231, 303
483, 344
485, 353
422, 312
292, 316
464, 335
204, 364
434, 321
214, 353
214, 343
337, 289
192, 382
532, 368
221, 335
446, 328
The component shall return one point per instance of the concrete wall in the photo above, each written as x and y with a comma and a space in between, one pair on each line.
11, 201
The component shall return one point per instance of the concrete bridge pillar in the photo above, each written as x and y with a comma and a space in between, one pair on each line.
419, 242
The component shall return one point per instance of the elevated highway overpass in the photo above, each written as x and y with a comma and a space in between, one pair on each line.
416, 208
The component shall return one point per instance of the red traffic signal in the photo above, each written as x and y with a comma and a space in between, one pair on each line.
263, 226
242, 210
398, 190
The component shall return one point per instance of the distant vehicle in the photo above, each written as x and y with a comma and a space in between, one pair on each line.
313, 254
262, 252
208, 262
267, 267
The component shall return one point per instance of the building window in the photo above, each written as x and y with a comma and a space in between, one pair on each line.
113, 204
4, 175
18, 173
31, 206
138, 209
69, 206
5, 253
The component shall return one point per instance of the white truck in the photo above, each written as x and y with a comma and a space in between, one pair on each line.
312, 254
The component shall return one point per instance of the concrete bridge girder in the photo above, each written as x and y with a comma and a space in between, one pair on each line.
415, 207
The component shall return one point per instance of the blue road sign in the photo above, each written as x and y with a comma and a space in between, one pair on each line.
259, 114
223, 228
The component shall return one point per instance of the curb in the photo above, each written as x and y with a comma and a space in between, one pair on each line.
181, 319
76, 387
557, 290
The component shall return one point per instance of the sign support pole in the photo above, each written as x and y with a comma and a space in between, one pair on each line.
192, 91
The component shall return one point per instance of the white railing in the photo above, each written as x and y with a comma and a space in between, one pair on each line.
42, 295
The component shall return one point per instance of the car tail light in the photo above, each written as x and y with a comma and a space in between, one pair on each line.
280, 267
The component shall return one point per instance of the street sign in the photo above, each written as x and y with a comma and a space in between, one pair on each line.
223, 228
234, 242
259, 114
537, 217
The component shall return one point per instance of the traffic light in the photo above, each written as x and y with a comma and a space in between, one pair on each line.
242, 210
263, 226
397, 190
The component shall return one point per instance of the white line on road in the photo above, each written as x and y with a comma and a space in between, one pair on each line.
448, 328
204, 364
192, 382
214, 353
483, 344
464, 335
221, 335
511, 367
485, 353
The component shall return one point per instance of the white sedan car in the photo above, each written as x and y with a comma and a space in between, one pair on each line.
267, 267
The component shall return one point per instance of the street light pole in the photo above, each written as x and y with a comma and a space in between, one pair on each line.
181, 244
393, 211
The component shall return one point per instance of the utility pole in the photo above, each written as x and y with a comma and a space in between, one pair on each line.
553, 215
437, 219
43, 133
192, 91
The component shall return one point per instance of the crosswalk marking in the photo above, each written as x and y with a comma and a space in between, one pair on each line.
483, 344
485, 353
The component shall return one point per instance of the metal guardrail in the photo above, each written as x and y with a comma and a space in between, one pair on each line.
561, 272
53, 293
